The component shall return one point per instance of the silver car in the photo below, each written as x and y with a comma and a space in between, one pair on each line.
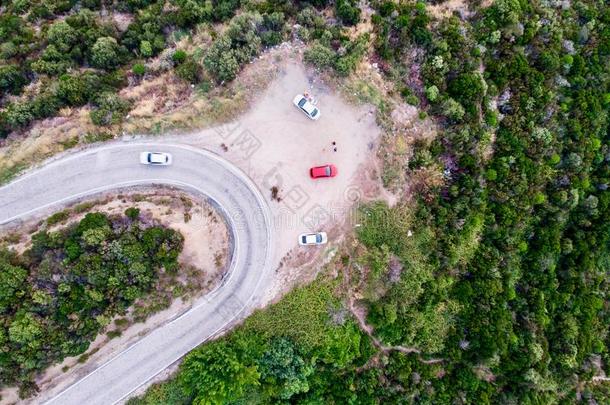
156, 158
306, 106
308, 239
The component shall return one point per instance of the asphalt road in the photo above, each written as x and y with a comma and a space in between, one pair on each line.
114, 166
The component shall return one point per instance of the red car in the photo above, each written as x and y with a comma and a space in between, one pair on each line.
323, 171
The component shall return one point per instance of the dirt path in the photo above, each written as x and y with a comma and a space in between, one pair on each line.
359, 312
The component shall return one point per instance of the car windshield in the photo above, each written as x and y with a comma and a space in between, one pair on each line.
304, 239
327, 171
302, 102
318, 238
314, 112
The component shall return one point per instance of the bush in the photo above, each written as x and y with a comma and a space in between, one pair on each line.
138, 69
220, 60
224, 9
46, 104
146, 49
109, 109
432, 93
18, 115
12, 79
347, 11
132, 213
73, 90
191, 12
189, 71
62, 36
320, 56
106, 53
453, 110
179, 56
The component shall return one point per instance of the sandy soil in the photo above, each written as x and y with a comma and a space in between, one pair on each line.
203, 257
276, 144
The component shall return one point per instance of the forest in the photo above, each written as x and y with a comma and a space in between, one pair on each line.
71, 282
85, 60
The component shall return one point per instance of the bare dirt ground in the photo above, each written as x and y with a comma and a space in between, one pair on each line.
203, 261
276, 144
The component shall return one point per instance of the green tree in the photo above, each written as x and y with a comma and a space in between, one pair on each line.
320, 56
214, 374
284, 369
146, 49
347, 11
453, 110
12, 79
62, 36
12, 283
26, 331
106, 53
220, 60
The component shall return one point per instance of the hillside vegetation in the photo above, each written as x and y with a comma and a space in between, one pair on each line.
489, 288
59, 294
487, 282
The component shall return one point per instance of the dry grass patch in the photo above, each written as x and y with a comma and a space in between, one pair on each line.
447, 8
45, 139
168, 104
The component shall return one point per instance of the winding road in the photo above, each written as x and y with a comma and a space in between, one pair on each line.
115, 166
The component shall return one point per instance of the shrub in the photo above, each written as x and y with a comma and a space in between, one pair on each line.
319, 56
72, 89
58, 217
106, 53
347, 11
189, 71
179, 56
220, 60
12, 79
224, 9
62, 36
238, 45
452, 110
146, 49
271, 38
138, 69
467, 88
46, 104
109, 109
132, 213
432, 93
191, 12
18, 115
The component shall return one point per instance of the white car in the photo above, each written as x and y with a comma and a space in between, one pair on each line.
156, 158
306, 106
307, 239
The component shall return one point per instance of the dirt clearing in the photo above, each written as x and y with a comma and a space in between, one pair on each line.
276, 145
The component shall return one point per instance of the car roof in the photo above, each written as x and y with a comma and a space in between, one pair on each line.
157, 156
309, 107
